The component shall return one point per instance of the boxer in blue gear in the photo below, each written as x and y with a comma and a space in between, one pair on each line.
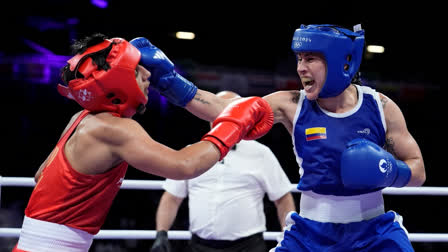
341, 206
338, 127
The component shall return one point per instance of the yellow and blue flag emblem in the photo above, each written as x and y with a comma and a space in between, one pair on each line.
316, 133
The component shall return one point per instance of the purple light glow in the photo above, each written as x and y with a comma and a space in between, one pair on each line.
72, 21
163, 102
38, 48
37, 68
99, 3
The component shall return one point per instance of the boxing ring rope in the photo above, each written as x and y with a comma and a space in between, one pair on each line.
186, 235
157, 185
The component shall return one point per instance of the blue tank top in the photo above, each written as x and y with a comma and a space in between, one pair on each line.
320, 137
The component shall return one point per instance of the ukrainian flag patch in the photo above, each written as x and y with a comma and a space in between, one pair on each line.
316, 133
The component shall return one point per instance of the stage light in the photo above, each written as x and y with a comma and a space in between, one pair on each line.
375, 49
185, 35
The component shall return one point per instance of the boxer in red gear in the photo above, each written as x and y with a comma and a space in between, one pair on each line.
78, 181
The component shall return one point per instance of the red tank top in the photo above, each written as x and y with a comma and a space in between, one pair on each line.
67, 197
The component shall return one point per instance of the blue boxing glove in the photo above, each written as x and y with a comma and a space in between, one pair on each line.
365, 165
164, 78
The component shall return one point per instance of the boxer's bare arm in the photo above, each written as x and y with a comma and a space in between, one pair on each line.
206, 105
284, 106
135, 146
401, 143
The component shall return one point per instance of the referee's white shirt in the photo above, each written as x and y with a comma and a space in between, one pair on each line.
226, 202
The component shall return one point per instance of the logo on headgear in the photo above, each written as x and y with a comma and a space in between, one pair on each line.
298, 41
297, 44
85, 95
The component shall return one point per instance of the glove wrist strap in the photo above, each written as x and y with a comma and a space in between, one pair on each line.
220, 145
403, 174
179, 90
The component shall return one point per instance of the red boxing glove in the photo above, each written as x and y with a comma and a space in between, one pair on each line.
248, 118
264, 124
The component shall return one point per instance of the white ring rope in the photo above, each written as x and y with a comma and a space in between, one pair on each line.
186, 235
157, 185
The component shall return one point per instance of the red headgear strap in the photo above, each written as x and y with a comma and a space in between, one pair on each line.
115, 90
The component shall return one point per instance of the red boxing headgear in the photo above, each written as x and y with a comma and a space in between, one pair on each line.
114, 90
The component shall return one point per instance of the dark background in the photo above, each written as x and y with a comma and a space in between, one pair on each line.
230, 37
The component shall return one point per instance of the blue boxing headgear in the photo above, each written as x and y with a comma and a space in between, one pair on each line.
341, 48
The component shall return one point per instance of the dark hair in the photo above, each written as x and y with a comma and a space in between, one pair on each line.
79, 47
357, 79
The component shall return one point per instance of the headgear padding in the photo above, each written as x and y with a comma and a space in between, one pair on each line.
114, 90
341, 48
